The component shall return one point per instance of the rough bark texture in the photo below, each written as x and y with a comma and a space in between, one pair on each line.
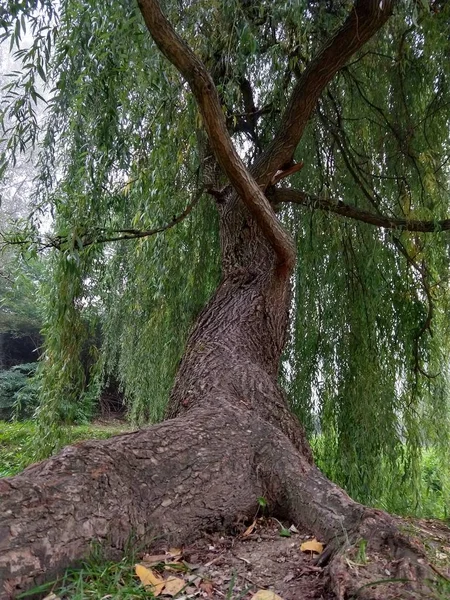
230, 440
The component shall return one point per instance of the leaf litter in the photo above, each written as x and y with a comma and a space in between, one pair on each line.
259, 562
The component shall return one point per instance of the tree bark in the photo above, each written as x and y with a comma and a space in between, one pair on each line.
230, 438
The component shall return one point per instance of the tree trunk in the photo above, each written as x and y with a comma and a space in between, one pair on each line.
230, 439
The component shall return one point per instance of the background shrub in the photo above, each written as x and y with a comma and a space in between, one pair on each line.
19, 392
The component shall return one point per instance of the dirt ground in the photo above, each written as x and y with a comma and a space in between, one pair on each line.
237, 566
258, 558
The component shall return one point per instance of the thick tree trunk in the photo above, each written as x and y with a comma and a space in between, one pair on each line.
230, 439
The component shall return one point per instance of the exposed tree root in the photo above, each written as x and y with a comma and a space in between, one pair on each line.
203, 471
382, 565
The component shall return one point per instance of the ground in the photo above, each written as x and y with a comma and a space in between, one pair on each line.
252, 558
239, 565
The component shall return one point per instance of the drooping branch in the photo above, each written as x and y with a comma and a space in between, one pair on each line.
352, 212
100, 235
415, 225
205, 93
131, 234
364, 20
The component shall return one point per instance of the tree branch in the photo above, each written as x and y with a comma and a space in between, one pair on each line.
352, 212
378, 220
90, 237
205, 93
130, 234
364, 20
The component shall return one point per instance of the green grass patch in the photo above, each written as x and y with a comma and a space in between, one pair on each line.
97, 579
16, 451
422, 491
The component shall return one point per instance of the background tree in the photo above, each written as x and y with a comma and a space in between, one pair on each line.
129, 151
19, 278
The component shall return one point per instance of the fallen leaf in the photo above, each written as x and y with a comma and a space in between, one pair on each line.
249, 529
174, 585
266, 595
51, 596
150, 579
207, 587
175, 552
293, 529
312, 546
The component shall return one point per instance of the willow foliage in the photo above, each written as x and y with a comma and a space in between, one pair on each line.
367, 356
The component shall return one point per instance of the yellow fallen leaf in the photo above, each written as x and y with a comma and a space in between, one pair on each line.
173, 586
312, 546
249, 529
150, 579
266, 595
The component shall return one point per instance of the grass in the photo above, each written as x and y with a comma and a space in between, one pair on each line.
16, 452
97, 579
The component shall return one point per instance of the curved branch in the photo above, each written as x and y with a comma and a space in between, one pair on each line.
364, 20
352, 212
131, 234
58, 241
205, 93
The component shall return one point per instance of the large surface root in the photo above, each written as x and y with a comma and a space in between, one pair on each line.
172, 480
200, 472
381, 567
367, 555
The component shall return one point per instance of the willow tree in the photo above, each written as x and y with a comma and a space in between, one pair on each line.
293, 155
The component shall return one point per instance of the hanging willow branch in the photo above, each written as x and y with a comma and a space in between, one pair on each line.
94, 236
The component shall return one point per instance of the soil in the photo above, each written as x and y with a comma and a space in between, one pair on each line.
237, 566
